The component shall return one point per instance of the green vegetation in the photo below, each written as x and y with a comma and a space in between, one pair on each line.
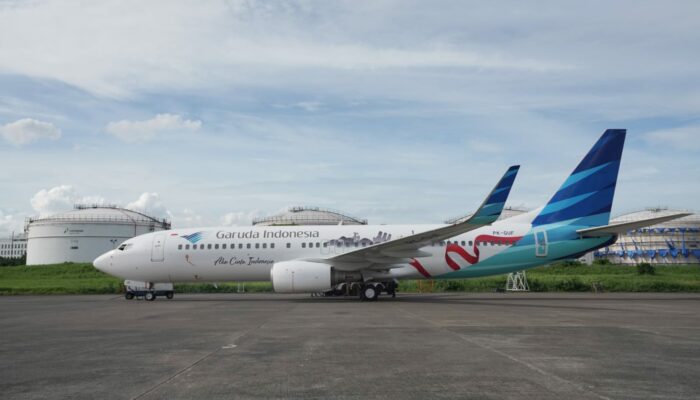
13, 261
560, 277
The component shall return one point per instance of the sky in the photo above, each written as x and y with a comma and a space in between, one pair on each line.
216, 112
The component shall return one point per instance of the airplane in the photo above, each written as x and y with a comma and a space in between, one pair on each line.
373, 259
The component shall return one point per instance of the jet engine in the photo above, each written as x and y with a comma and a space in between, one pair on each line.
307, 277
300, 277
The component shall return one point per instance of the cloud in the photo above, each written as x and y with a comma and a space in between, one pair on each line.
142, 131
191, 44
151, 204
683, 138
187, 219
10, 223
239, 218
60, 199
27, 130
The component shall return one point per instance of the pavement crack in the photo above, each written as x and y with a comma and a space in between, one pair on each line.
218, 349
175, 375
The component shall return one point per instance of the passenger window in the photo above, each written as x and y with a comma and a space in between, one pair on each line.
216, 246
463, 244
470, 243
318, 244
223, 246
179, 247
272, 245
325, 244
201, 246
264, 245
247, 245
240, 245
187, 247
303, 245
289, 245
209, 246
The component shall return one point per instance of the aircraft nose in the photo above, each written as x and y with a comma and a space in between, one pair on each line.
103, 262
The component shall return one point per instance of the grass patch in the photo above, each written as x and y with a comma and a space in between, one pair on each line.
84, 279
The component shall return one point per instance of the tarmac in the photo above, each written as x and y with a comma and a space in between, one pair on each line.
417, 346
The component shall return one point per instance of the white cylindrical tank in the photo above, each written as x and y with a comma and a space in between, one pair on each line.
309, 216
84, 233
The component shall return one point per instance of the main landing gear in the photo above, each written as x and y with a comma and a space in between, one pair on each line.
365, 291
371, 291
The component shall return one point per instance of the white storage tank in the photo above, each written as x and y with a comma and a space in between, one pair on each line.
305, 215
84, 233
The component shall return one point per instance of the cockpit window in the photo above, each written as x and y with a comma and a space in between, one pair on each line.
122, 247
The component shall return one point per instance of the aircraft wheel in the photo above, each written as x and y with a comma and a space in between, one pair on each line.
150, 296
170, 295
129, 296
370, 293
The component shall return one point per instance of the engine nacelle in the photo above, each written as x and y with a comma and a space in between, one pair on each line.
301, 277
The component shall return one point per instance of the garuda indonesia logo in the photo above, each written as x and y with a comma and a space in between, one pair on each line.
193, 237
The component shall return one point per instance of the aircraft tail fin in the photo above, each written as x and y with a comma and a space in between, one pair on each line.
586, 197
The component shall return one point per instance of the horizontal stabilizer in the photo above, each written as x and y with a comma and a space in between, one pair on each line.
624, 227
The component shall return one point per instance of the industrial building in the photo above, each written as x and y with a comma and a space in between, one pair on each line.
309, 216
13, 247
673, 242
82, 234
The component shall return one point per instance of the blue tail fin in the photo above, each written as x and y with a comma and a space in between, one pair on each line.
586, 196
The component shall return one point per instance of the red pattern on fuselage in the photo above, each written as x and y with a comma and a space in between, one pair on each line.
473, 259
420, 268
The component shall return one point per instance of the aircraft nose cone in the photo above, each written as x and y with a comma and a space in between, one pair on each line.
103, 262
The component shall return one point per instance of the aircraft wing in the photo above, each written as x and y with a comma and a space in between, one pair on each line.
623, 227
401, 250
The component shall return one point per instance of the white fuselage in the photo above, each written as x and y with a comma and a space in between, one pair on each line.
248, 253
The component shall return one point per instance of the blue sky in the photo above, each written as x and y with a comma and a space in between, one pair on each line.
398, 111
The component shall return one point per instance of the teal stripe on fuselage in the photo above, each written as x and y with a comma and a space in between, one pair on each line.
518, 258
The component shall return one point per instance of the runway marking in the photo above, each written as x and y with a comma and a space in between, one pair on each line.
229, 346
535, 368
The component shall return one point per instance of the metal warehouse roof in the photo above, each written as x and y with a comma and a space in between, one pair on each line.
309, 216
99, 214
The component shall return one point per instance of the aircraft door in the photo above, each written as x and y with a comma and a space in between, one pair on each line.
158, 249
541, 243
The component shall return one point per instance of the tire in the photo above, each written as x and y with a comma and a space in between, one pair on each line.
370, 293
150, 296
129, 296
170, 295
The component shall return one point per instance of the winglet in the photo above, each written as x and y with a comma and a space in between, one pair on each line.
492, 207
